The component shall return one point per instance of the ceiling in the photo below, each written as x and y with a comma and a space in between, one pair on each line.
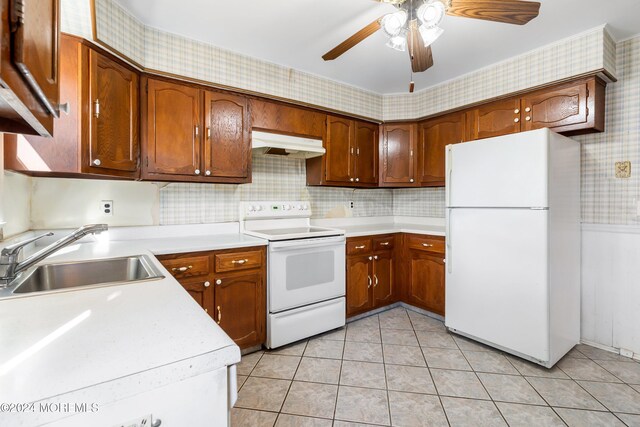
296, 33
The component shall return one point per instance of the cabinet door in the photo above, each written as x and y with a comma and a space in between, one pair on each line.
340, 150
227, 149
172, 129
114, 140
426, 281
240, 307
434, 136
398, 160
383, 279
556, 108
494, 119
202, 292
366, 135
359, 283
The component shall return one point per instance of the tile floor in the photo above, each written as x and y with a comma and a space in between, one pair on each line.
401, 368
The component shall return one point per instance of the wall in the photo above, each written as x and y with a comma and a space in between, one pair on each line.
14, 200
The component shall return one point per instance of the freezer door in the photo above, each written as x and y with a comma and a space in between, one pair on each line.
508, 171
496, 279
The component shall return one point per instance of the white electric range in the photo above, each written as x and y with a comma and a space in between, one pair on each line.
305, 270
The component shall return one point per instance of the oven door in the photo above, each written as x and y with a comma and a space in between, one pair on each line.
305, 271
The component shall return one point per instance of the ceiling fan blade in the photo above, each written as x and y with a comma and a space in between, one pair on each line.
352, 41
421, 56
507, 11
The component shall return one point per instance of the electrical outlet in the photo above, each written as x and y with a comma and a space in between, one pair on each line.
623, 169
626, 353
351, 205
106, 206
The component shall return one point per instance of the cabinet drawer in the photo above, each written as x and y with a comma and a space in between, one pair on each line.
358, 246
384, 243
427, 243
190, 266
236, 261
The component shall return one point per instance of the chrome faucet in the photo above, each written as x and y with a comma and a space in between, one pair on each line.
9, 265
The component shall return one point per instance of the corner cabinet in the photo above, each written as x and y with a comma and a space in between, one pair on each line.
351, 159
29, 66
433, 136
398, 165
230, 286
99, 136
425, 272
184, 140
371, 273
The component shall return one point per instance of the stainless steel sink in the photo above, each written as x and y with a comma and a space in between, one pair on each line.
66, 276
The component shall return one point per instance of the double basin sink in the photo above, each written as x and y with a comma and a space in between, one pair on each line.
68, 276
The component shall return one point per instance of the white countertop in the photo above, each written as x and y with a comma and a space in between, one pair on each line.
62, 342
356, 227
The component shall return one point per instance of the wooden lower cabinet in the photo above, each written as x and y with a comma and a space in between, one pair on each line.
240, 307
425, 272
236, 298
370, 277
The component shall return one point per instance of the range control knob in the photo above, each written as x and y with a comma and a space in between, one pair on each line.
286, 207
250, 208
259, 207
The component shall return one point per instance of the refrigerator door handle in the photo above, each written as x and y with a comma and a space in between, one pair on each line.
448, 176
449, 255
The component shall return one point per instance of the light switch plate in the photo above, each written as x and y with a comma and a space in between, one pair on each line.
623, 169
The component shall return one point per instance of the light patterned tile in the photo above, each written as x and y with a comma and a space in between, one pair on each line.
484, 361
311, 399
518, 415
585, 369
566, 393
467, 412
458, 384
629, 372
248, 362
530, 369
630, 419
263, 393
319, 370
362, 405
616, 397
510, 388
363, 374
581, 418
399, 337
438, 339
403, 355
328, 349
412, 379
362, 351
250, 418
409, 409
445, 358
295, 349
276, 366
286, 420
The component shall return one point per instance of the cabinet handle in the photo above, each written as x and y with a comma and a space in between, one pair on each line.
516, 111
156, 423
411, 153
516, 120
208, 133
197, 171
352, 151
375, 277
239, 261
97, 162
219, 315
197, 130
96, 108
219, 282
528, 109
384, 244
528, 118
358, 151
181, 269
206, 310
207, 284
207, 173
370, 282
64, 108
427, 245
360, 247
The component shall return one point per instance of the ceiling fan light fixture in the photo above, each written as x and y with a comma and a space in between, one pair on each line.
398, 42
429, 35
431, 13
393, 23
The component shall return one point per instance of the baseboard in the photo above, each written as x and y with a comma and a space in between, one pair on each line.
392, 306
613, 350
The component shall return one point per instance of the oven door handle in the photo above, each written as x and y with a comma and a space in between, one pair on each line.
305, 244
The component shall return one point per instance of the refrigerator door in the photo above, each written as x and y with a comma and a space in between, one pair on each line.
508, 171
496, 279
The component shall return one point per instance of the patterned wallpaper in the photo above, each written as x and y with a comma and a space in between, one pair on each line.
605, 198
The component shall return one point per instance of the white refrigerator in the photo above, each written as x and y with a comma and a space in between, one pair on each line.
513, 243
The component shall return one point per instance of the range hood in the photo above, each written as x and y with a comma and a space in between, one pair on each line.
284, 145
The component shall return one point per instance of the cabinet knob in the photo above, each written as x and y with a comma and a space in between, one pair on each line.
528, 118
207, 284
516, 111
207, 173
411, 180
197, 172
528, 109
219, 282
97, 162
357, 179
351, 180
516, 120
375, 257
64, 108
156, 423
370, 258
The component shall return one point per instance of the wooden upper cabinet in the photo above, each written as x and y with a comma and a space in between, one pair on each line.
565, 108
340, 153
114, 121
434, 136
227, 147
172, 141
398, 165
274, 116
29, 69
366, 142
494, 119
240, 307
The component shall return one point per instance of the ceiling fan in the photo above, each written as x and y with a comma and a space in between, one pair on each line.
415, 25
